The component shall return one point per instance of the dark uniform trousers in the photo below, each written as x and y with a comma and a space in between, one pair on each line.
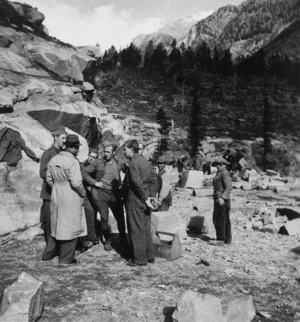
90, 210
65, 249
139, 230
105, 199
45, 219
221, 219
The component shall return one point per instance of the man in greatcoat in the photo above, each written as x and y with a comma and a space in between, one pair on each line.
58, 145
164, 200
103, 176
222, 204
141, 188
67, 218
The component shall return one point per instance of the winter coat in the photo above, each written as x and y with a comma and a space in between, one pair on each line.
67, 215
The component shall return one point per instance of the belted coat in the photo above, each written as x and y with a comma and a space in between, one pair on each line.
67, 214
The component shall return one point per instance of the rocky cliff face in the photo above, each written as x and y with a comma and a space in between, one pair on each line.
42, 87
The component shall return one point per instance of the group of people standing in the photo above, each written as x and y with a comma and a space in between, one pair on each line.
96, 186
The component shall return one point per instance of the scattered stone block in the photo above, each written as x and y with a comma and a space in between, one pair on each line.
204, 192
237, 185
272, 173
23, 300
167, 248
293, 227
282, 189
252, 175
270, 228
257, 225
241, 310
236, 179
246, 186
168, 221
194, 179
197, 307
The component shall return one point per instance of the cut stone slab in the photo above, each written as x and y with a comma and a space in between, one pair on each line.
247, 186
197, 307
237, 185
168, 222
202, 224
204, 192
293, 227
272, 173
194, 179
23, 300
281, 190
241, 310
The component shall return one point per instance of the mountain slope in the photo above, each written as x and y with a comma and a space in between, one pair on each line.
177, 29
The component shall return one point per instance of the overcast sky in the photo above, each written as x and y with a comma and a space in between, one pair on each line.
115, 22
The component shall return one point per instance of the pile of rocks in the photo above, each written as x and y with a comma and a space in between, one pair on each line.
273, 221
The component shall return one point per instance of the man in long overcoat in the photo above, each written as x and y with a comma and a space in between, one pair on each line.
222, 204
67, 218
142, 186
58, 145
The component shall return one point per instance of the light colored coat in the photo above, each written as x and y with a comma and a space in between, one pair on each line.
67, 214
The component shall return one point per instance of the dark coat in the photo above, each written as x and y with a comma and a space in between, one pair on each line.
11, 146
222, 184
142, 183
46, 157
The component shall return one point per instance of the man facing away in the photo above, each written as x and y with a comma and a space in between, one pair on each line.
89, 206
67, 219
140, 188
222, 204
104, 177
164, 200
58, 145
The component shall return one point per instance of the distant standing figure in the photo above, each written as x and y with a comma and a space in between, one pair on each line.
222, 204
164, 200
140, 188
67, 219
58, 145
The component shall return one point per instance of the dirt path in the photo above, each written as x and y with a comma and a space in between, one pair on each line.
102, 288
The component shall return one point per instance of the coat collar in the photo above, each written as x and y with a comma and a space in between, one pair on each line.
68, 154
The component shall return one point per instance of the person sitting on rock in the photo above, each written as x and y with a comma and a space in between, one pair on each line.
164, 200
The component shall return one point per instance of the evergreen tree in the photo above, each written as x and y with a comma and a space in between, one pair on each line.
148, 56
196, 129
267, 129
216, 67
226, 63
110, 59
162, 120
159, 58
203, 58
130, 56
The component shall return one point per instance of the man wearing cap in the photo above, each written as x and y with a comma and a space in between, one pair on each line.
164, 200
67, 218
104, 177
222, 203
58, 145
141, 187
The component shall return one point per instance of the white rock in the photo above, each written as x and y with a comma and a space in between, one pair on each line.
197, 307
241, 310
23, 300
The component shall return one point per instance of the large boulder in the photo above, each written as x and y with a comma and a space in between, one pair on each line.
197, 307
23, 300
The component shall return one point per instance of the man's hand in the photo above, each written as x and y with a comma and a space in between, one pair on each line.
101, 185
221, 201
